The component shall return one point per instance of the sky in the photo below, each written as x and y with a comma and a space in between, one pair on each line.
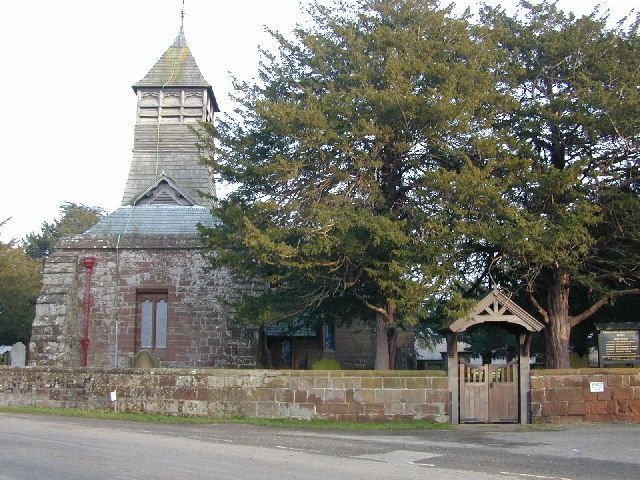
66, 131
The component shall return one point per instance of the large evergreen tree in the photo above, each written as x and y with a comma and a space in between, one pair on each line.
393, 155
327, 152
557, 208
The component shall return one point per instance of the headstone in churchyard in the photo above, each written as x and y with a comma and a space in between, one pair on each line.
143, 359
18, 355
618, 343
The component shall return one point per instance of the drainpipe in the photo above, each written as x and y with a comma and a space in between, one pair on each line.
89, 262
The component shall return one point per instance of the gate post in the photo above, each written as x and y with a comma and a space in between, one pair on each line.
452, 370
525, 378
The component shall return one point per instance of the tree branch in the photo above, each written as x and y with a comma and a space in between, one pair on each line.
379, 310
534, 302
354, 281
484, 273
601, 303
628, 182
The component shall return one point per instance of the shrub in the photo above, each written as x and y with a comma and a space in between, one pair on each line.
326, 364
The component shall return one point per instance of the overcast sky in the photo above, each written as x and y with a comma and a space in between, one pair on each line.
67, 106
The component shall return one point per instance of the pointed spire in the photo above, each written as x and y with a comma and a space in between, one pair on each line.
176, 68
182, 18
180, 41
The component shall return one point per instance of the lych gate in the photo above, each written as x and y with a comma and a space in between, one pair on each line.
492, 393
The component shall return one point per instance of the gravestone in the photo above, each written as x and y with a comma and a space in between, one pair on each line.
18, 355
144, 359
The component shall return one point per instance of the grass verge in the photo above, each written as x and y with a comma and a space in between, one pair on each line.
267, 422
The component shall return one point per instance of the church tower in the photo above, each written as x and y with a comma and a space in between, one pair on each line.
172, 98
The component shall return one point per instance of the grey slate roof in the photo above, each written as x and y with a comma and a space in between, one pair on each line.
176, 68
154, 220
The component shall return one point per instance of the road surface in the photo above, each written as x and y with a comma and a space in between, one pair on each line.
43, 447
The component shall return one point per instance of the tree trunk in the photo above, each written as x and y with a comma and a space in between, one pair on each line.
386, 334
382, 345
558, 331
266, 358
392, 337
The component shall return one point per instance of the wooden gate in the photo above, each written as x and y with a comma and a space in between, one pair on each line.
489, 393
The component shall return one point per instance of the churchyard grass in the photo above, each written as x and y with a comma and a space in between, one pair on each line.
267, 422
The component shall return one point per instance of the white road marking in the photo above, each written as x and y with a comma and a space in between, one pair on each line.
529, 475
401, 456
298, 449
206, 438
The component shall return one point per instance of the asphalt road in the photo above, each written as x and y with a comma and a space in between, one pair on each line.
37, 447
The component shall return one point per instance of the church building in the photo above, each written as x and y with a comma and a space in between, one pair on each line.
137, 281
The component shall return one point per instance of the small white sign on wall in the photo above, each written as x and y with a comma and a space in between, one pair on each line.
596, 387
113, 396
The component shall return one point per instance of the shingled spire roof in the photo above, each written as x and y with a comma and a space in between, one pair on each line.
176, 68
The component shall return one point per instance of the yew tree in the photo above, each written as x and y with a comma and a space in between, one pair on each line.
557, 208
327, 151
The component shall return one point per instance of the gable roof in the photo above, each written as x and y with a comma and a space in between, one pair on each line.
497, 308
176, 68
154, 190
191, 178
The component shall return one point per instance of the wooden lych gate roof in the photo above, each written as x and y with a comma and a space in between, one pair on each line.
496, 308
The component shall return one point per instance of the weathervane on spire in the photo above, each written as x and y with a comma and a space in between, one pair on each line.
182, 18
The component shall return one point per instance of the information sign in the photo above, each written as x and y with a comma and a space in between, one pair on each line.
618, 346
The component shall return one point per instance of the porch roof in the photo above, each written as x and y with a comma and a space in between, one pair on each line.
498, 308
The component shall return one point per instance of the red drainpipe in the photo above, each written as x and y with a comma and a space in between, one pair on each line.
89, 262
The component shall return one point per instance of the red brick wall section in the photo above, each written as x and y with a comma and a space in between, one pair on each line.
564, 395
364, 396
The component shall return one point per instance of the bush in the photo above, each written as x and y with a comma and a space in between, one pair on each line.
326, 364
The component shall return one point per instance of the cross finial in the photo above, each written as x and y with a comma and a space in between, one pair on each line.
182, 17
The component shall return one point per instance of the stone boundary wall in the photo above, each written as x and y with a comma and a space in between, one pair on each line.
363, 396
563, 395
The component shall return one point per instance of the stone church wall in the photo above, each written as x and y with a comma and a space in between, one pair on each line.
197, 330
356, 347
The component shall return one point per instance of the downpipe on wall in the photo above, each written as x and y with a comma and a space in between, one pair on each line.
89, 263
